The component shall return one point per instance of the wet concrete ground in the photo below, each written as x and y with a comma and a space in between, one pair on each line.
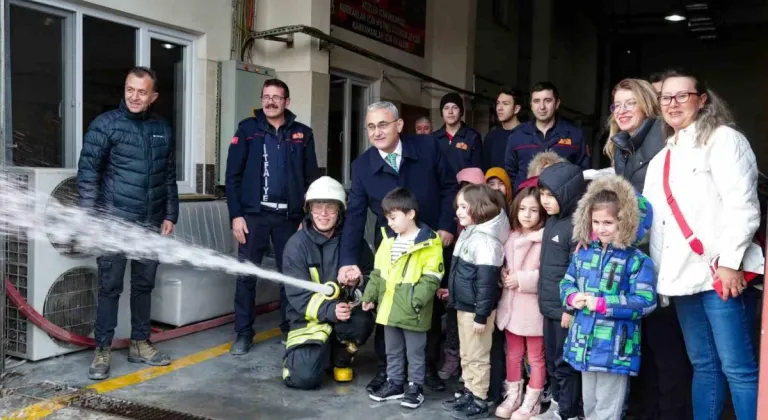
223, 387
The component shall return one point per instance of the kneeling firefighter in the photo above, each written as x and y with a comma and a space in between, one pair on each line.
323, 328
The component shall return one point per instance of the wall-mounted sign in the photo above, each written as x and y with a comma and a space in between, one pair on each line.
397, 23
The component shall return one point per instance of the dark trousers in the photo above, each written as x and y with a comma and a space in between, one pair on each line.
498, 364
565, 380
435, 337
262, 227
111, 275
304, 365
665, 371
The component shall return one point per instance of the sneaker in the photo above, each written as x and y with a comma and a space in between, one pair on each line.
241, 346
460, 398
142, 351
101, 363
550, 413
413, 396
387, 392
434, 383
376, 383
450, 365
475, 408
546, 395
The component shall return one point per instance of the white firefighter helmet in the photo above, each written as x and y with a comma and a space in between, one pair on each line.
326, 188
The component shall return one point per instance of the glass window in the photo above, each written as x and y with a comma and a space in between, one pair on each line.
168, 61
109, 50
40, 76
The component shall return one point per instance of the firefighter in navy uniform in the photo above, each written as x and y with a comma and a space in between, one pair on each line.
270, 165
323, 328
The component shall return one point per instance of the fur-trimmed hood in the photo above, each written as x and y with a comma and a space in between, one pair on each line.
541, 160
634, 218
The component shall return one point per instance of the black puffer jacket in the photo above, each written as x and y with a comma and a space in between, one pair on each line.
127, 167
566, 182
632, 153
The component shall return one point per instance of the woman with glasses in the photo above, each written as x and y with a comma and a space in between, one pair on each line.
703, 188
635, 138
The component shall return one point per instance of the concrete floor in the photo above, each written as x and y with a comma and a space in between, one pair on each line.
224, 387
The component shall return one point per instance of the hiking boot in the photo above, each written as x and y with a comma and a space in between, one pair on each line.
451, 365
100, 366
531, 405
241, 345
433, 382
413, 396
512, 400
142, 351
376, 383
387, 392
459, 399
475, 408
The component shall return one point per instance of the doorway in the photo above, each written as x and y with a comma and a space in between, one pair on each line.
348, 100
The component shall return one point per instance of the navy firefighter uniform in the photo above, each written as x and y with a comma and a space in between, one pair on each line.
268, 171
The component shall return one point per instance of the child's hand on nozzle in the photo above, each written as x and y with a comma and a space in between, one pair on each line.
478, 328
510, 280
591, 303
367, 306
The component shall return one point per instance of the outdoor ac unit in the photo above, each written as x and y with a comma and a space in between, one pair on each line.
61, 285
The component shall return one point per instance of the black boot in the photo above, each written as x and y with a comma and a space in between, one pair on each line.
433, 382
476, 408
241, 345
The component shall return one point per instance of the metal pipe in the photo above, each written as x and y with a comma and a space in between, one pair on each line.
3, 141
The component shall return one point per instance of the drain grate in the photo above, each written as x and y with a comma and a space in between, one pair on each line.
89, 399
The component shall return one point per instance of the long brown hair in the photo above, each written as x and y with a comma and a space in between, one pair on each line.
515, 208
647, 100
485, 203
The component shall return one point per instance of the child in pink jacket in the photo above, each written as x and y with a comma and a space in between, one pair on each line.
518, 313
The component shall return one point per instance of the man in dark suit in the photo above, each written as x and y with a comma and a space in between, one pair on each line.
415, 163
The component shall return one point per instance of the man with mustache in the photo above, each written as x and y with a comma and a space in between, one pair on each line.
547, 131
270, 165
127, 170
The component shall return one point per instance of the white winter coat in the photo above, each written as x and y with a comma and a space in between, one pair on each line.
715, 185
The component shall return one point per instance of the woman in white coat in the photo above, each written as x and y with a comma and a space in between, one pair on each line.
703, 234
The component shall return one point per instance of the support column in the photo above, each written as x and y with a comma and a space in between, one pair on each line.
541, 40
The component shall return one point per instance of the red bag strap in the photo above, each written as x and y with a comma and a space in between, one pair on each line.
693, 241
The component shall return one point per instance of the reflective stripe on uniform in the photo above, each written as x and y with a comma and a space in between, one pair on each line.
313, 331
314, 306
314, 274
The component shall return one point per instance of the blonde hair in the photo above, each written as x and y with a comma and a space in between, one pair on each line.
712, 115
647, 100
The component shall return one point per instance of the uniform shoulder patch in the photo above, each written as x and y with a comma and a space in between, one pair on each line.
235, 139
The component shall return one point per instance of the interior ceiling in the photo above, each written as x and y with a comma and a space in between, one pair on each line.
704, 18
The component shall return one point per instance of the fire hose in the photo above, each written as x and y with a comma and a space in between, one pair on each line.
352, 295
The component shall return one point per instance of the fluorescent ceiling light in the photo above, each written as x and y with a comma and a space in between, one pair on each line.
674, 17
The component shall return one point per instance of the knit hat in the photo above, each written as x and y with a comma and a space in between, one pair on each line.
501, 174
452, 98
471, 175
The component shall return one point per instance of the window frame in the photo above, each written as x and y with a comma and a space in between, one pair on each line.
145, 32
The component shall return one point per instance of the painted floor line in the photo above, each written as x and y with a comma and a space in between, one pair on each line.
48, 407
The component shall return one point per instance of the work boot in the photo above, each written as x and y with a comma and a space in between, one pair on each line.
100, 366
530, 407
513, 398
241, 345
433, 382
376, 383
450, 365
343, 374
142, 351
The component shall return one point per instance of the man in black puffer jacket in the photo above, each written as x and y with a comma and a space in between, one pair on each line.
127, 170
562, 185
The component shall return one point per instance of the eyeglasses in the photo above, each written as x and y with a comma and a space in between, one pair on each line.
380, 126
325, 208
680, 98
627, 106
273, 98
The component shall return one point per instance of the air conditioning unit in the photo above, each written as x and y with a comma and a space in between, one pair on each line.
61, 285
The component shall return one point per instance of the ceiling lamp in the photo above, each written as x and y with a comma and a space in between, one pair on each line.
674, 16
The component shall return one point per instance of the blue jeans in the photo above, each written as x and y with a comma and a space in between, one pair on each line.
719, 340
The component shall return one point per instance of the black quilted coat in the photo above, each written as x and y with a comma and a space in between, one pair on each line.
127, 167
